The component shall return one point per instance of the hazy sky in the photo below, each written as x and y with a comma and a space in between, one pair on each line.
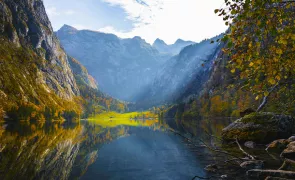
165, 19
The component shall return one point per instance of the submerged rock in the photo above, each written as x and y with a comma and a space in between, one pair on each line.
275, 178
259, 127
277, 146
252, 165
211, 168
261, 174
250, 144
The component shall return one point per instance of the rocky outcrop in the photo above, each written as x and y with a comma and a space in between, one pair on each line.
25, 23
260, 128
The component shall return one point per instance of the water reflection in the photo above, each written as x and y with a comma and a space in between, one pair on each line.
37, 150
102, 149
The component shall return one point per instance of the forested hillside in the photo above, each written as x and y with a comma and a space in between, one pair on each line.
255, 69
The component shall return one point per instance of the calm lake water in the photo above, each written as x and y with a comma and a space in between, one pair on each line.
105, 149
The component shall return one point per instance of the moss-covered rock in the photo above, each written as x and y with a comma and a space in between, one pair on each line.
260, 128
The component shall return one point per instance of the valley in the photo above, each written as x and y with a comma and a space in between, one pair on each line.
82, 102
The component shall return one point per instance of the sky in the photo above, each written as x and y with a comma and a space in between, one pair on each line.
168, 20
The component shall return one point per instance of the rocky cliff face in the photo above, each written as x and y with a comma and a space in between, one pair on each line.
121, 66
25, 24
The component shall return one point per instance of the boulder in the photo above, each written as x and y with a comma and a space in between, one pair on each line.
277, 146
252, 165
250, 144
289, 152
259, 127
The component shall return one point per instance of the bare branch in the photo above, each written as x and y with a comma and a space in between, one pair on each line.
244, 152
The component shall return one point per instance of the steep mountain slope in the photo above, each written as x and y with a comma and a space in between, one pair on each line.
120, 66
172, 49
25, 24
34, 69
172, 81
36, 79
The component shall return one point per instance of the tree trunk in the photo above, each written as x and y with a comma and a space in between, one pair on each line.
265, 98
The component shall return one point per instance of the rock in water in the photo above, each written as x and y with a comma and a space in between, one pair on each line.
250, 144
277, 146
292, 138
260, 128
261, 174
289, 152
252, 165
211, 168
288, 165
275, 178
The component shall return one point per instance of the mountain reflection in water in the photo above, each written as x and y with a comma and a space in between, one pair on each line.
96, 149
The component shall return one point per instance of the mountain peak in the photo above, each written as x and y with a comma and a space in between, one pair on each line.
67, 28
179, 41
159, 41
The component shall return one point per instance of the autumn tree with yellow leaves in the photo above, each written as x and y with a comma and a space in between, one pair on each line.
261, 44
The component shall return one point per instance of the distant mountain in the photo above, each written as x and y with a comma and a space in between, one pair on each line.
120, 66
173, 81
172, 49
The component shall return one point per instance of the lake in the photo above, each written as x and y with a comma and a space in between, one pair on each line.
107, 149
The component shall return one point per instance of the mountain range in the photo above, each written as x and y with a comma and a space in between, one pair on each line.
120, 66
172, 49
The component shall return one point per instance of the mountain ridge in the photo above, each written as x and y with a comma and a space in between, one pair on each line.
172, 49
116, 63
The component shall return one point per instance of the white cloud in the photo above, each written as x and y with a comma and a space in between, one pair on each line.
53, 11
170, 19
112, 30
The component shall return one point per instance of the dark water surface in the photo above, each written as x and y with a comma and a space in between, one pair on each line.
105, 149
